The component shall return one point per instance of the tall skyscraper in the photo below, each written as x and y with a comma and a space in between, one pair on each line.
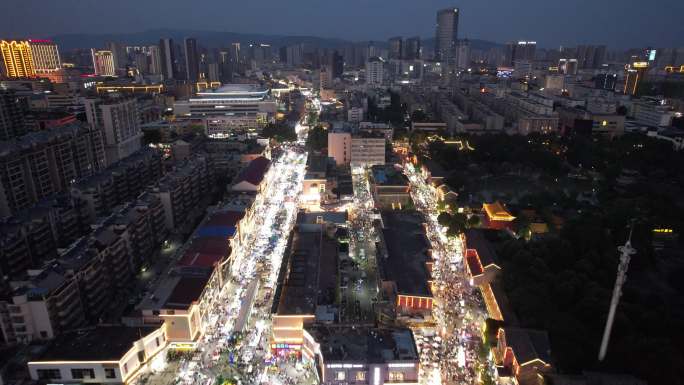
191, 59
17, 58
446, 35
591, 56
168, 58
395, 48
103, 62
45, 56
155, 60
412, 50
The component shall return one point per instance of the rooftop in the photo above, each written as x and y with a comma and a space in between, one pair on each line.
367, 345
102, 343
407, 252
528, 344
496, 211
254, 172
387, 175
476, 239
309, 278
236, 91
186, 291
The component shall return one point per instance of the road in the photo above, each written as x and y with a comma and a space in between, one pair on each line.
449, 354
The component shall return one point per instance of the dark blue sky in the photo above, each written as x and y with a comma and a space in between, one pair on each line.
617, 23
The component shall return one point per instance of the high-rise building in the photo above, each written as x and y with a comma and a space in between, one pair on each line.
446, 34
567, 66
463, 54
119, 121
12, 123
142, 63
395, 48
17, 58
295, 54
155, 60
191, 59
375, 71
590, 56
519, 51
337, 64
40, 164
119, 55
412, 49
167, 57
634, 74
103, 62
45, 56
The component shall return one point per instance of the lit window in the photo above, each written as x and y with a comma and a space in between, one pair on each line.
360, 376
340, 376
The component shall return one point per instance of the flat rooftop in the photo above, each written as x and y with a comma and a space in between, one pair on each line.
101, 343
363, 344
407, 252
387, 175
309, 278
236, 91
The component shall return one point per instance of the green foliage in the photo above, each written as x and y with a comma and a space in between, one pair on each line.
281, 132
317, 139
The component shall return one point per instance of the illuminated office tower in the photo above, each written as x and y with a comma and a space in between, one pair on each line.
446, 34
103, 62
16, 56
45, 56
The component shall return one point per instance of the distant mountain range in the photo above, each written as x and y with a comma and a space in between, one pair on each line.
211, 39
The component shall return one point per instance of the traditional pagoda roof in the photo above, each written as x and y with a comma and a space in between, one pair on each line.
497, 212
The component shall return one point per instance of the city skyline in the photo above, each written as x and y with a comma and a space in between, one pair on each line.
494, 20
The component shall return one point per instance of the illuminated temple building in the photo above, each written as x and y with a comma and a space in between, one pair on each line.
496, 216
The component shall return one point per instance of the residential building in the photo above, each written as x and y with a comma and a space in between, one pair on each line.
181, 190
368, 149
167, 56
375, 71
413, 50
339, 146
191, 60
118, 120
43, 163
396, 51
12, 123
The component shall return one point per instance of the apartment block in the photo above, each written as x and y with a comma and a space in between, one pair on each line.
40, 164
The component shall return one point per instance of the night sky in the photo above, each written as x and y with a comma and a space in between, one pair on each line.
617, 23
